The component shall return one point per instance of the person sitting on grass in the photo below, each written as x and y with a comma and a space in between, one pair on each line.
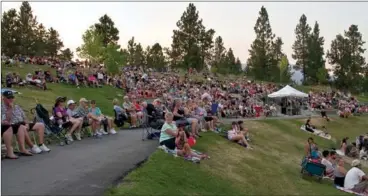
326, 160
308, 125
182, 145
356, 180
352, 150
340, 173
311, 149
105, 120
130, 109
243, 130
236, 136
13, 119
62, 118
169, 132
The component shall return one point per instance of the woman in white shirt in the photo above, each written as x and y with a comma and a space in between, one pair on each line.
355, 179
236, 136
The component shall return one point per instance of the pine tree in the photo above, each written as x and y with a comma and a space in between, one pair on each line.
316, 62
191, 41
10, 36
300, 46
27, 26
155, 57
346, 55
277, 56
260, 61
106, 28
54, 44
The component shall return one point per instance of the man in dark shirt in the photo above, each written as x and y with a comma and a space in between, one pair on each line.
155, 117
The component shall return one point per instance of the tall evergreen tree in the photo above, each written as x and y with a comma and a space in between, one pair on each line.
106, 28
346, 55
10, 36
277, 56
54, 43
191, 41
131, 51
27, 26
300, 46
260, 61
155, 57
316, 62
219, 54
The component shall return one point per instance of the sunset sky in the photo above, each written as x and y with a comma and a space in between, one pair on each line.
151, 22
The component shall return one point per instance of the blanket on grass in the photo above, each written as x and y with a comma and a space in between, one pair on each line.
317, 132
349, 191
173, 153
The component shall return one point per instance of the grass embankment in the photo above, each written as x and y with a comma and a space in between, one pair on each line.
27, 98
272, 168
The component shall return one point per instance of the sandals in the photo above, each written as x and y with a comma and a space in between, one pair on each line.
12, 158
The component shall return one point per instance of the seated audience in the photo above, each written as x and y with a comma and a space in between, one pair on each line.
169, 131
182, 145
236, 136
73, 117
105, 120
355, 179
155, 118
13, 119
131, 111
326, 160
83, 111
340, 173
179, 117
308, 125
311, 149
62, 118
120, 114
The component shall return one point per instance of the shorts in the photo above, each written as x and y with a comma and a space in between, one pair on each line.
208, 118
230, 137
15, 127
169, 143
182, 121
190, 120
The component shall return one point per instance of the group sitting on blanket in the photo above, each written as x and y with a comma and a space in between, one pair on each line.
353, 179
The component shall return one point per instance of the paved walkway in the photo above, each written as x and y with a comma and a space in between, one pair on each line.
86, 167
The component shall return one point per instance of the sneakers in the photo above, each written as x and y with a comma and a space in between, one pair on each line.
78, 136
69, 137
36, 150
102, 131
112, 131
97, 136
44, 148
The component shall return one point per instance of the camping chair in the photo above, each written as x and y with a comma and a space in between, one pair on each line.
147, 130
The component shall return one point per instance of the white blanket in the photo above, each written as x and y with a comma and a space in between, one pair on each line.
349, 191
317, 132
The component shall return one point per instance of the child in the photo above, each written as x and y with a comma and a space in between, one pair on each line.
182, 146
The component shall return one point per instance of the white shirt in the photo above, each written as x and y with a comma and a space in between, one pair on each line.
353, 177
328, 164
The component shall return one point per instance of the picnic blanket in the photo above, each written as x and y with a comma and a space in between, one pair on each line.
317, 132
173, 153
349, 191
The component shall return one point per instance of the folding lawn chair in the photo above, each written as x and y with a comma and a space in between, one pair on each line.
147, 130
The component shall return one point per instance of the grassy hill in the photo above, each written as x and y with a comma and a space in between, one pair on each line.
28, 97
272, 168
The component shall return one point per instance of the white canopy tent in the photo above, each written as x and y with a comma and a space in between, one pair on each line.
287, 91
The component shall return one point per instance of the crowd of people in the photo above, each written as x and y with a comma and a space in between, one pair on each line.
353, 179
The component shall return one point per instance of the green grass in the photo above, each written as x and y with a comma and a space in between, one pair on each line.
29, 96
272, 168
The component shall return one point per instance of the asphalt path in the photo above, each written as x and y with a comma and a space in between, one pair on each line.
86, 167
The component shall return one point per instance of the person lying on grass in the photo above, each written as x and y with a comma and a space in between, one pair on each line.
182, 146
355, 179
236, 136
308, 125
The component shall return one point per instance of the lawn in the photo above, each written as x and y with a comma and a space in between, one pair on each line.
272, 168
30, 96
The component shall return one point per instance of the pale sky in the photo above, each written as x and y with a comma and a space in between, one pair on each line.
151, 22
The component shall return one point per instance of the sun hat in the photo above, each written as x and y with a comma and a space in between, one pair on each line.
83, 100
355, 163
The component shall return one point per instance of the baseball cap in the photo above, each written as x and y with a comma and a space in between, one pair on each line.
8, 94
157, 100
83, 100
70, 102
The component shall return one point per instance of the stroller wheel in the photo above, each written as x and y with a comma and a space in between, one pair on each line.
67, 142
61, 144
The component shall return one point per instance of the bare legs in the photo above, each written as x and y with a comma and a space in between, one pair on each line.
8, 136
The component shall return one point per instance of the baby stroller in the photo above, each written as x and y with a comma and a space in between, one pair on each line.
52, 130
